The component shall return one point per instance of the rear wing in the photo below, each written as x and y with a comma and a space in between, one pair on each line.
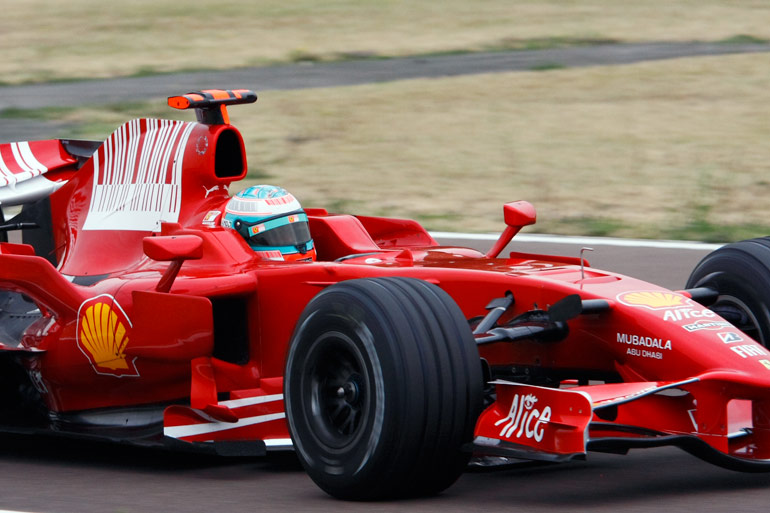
33, 170
29, 173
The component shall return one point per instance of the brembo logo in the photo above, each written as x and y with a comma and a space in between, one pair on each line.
653, 299
524, 419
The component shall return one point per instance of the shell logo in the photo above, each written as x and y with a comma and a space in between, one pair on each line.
653, 299
103, 334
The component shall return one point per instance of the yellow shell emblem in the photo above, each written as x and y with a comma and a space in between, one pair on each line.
654, 300
103, 336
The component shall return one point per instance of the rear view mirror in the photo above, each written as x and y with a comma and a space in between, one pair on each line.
519, 214
173, 247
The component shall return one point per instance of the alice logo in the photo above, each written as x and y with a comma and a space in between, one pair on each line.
524, 417
103, 334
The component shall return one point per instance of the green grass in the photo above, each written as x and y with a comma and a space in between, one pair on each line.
744, 39
701, 225
693, 226
548, 66
593, 226
705, 231
43, 114
547, 43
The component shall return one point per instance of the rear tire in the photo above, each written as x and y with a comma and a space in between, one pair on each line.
382, 389
740, 272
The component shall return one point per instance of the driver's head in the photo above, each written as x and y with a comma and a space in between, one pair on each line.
272, 222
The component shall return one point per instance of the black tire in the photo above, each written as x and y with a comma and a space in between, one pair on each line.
382, 389
740, 272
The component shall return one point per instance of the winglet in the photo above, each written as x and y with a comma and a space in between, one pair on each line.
211, 104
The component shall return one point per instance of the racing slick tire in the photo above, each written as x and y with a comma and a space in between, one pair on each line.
740, 273
383, 386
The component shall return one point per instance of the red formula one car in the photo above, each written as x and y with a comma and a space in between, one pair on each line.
147, 306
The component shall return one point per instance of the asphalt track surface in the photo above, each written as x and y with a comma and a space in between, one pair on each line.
54, 475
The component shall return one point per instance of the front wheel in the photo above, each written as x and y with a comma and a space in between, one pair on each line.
740, 273
382, 388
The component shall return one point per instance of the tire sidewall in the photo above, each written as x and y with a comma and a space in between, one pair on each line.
348, 464
736, 274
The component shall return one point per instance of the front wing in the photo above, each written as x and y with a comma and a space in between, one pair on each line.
709, 416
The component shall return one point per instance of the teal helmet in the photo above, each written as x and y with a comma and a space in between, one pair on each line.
272, 222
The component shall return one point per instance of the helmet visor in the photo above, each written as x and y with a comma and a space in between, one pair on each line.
284, 231
292, 234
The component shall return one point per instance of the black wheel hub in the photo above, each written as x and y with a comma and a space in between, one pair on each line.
338, 393
350, 391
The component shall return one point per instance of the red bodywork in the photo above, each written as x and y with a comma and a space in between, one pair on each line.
156, 312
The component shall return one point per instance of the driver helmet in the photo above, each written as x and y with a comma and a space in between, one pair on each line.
272, 222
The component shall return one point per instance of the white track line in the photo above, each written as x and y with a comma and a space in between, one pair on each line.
586, 241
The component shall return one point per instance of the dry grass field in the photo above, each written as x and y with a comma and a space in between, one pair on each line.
44, 40
672, 149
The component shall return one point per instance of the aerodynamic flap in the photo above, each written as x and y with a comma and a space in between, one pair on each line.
550, 422
23, 166
171, 327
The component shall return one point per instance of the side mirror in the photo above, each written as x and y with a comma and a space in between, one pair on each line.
175, 249
517, 215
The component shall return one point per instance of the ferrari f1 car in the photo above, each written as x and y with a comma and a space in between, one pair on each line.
132, 310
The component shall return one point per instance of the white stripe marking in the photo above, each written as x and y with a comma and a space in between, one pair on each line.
279, 442
213, 427
593, 241
131, 189
6, 174
29, 158
20, 160
248, 401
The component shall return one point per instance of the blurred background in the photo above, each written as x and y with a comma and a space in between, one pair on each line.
646, 119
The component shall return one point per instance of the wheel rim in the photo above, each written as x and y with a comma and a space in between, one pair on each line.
738, 313
337, 394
